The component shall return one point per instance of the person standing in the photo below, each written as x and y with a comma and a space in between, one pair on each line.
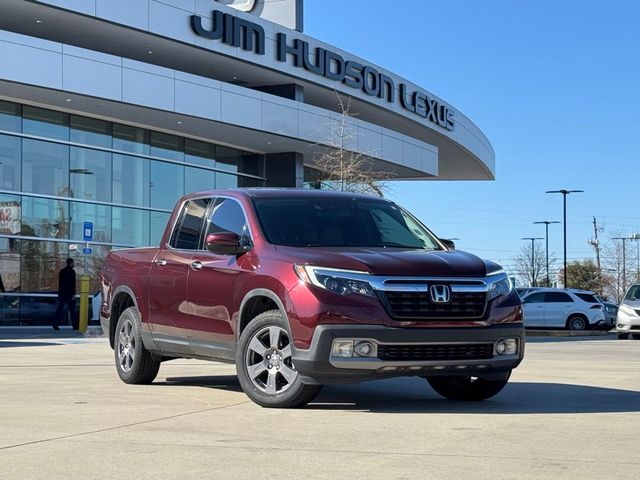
66, 296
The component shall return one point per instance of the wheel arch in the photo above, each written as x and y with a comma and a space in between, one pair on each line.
256, 302
123, 298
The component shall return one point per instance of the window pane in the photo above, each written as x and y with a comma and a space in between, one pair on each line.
40, 264
90, 174
587, 297
200, 153
100, 215
557, 297
45, 123
45, 168
10, 155
130, 227
45, 218
252, 164
227, 217
167, 146
225, 180
167, 184
130, 139
10, 215
90, 131
130, 180
188, 237
228, 159
10, 117
159, 221
199, 180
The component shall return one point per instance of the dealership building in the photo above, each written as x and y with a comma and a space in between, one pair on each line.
110, 110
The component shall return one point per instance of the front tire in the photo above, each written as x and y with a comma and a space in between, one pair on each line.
577, 323
265, 369
470, 389
134, 363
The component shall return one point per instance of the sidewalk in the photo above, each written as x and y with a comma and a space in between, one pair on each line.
18, 333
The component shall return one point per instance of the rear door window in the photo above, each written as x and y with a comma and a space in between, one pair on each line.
557, 297
188, 230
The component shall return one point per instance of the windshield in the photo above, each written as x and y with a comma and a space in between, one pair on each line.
633, 293
340, 222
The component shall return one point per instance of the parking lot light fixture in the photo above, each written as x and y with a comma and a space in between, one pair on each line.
546, 224
564, 194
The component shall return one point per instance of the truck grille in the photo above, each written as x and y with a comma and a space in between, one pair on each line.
476, 351
418, 306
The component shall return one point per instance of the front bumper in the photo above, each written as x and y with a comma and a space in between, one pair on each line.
317, 365
626, 323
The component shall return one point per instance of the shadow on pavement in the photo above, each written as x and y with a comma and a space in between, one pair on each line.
413, 395
27, 344
222, 382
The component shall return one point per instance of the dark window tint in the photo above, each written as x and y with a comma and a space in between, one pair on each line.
90, 131
10, 117
633, 293
557, 297
227, 216
45, 123
187, 236
587, 297
535, 298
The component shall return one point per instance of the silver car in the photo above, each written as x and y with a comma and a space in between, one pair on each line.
628, 319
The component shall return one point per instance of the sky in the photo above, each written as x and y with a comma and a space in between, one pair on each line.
553, 85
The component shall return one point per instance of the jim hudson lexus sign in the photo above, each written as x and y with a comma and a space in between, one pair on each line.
249, 36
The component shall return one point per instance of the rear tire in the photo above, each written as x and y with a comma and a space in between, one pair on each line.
264, 365
470, 389
134, 363
577, 323
623, 336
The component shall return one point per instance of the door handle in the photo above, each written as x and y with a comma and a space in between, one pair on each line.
160, 262
197, 265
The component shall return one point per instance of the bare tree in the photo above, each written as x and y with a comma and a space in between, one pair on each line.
340, 167
619, 268
532, 273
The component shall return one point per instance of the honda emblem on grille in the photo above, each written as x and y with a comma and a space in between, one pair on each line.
440, 293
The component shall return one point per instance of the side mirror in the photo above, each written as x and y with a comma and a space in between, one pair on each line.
450, 244
224, 243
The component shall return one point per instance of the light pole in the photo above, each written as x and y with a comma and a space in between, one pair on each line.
624, 259
546, 224
636, 238
564, 204
533, 249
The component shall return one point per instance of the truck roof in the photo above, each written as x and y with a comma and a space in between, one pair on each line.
282, 192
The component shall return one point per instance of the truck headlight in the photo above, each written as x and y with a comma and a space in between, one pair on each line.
501, 286
342, 282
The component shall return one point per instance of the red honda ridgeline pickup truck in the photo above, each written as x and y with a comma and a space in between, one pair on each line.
303, 288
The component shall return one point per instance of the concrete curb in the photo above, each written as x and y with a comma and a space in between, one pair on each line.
566, 333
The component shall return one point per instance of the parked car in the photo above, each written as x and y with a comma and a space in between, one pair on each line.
628, 318
524, 291
563, 308
304, 288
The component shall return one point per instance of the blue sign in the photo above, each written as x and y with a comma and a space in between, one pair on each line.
87, 250
88, 232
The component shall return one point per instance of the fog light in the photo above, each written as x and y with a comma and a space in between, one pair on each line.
507, 346
365, 349
342, 348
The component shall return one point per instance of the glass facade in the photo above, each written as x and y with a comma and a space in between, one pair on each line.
59, 170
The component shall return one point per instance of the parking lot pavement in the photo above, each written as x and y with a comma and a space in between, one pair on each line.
572, 410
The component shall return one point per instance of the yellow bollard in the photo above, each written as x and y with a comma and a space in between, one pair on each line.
84, 304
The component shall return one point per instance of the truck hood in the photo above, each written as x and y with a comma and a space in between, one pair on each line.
392, 261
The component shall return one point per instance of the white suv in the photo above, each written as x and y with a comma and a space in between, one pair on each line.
563, 308
628, 319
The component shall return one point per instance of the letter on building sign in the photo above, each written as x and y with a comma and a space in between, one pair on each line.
353, 74
284, 49
216, 31
233, 31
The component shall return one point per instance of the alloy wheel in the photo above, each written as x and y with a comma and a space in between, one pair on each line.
126, 346
268, 361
